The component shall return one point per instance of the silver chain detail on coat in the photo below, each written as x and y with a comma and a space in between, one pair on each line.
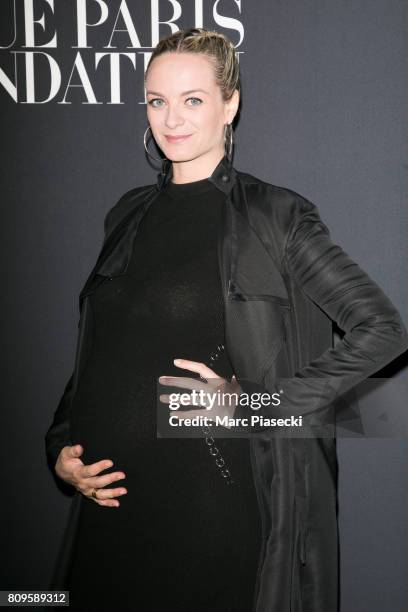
209, 440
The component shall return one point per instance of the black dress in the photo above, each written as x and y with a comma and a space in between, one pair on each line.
182, 538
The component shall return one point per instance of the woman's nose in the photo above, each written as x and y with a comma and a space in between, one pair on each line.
174, 116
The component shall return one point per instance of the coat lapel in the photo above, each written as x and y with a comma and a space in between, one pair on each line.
117, 247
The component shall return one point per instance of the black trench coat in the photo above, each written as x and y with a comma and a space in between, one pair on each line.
284, 282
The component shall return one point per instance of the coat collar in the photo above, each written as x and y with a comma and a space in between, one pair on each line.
223, 176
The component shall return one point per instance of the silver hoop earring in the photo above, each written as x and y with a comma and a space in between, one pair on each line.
161, 159
230, 143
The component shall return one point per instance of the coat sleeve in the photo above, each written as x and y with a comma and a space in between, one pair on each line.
58, 434
374, 331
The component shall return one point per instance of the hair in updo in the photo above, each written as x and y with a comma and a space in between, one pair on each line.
217, 47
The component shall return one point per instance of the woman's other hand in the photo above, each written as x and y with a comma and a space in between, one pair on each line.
85, 479
211, 384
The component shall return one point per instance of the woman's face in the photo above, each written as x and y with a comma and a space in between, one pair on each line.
183, 99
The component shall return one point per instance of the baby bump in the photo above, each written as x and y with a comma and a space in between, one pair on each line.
111, 414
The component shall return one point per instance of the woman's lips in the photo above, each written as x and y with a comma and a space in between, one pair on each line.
177, 138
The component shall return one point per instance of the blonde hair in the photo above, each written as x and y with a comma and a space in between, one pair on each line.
217, 47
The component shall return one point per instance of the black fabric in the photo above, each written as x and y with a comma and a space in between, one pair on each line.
182, 539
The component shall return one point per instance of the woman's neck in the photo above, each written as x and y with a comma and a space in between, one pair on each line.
196, 169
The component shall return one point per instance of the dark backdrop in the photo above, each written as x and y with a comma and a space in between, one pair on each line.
324, 113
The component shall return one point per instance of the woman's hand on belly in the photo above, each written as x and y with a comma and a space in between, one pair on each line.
85, 479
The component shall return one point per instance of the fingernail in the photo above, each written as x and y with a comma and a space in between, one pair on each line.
177, 361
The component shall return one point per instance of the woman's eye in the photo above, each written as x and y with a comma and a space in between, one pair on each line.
154, 100
199, 100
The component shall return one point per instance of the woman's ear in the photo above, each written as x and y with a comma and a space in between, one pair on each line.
232, 106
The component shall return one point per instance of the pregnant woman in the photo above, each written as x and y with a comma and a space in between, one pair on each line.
239, 280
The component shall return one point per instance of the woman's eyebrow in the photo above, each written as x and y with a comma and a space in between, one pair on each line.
182, 94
